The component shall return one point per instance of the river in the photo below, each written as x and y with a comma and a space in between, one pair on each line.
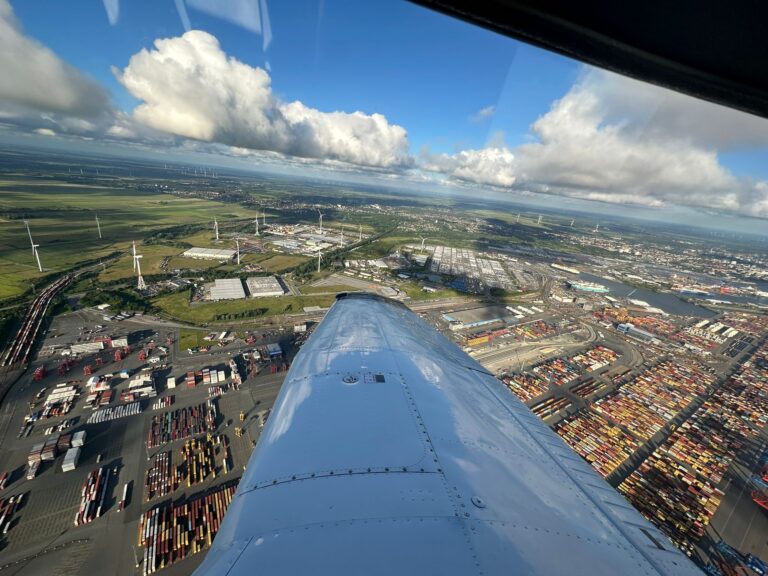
670, 303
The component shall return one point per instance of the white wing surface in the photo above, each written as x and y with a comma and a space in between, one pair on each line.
390, 451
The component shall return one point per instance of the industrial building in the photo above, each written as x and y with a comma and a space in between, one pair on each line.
631, 330
210, 253
261, 286
227, 289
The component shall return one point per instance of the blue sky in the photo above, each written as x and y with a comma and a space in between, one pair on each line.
551, 124
420, 69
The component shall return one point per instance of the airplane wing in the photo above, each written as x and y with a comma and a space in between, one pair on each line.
390, 451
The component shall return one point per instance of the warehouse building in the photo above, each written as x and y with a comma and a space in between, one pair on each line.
227, 289
632, 330
261, 286
210, 253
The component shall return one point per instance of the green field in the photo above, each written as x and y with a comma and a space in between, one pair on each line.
189, 338
281, 262
62, 220
331, 288
177, 306
416, 293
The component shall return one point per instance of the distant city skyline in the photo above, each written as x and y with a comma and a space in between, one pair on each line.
378, 90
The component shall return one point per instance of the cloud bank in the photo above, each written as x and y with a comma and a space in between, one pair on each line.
609, 138
494, 166
189, 87
614, 139
35, 79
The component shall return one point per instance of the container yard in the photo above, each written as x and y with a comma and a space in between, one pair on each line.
161, 478
645, 404
8, 509
550, 407
588, 387
525, 386
169, 533
115, 412
93, 496
602, 444
198, 459
182, 423
77, 425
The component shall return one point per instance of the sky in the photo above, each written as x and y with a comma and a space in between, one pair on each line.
380, 89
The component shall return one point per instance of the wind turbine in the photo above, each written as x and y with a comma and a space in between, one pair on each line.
98, 226
572, 222
597, 228
319, 257
133, 243
264, 217
37, 256
141, 285
422, 242
539, 220
342, 235
360, 234
518, 218
216, 228
237, 242
321, 221
31, 242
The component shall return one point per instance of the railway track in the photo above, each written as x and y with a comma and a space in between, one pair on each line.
21, 345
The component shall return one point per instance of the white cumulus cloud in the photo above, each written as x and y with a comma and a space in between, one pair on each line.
493, 166
613, 139
190, 87
36, 80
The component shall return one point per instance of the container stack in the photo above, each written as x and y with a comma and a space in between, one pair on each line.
161, 479
169, 533
92, 496
70, 459
181, 424
113, 413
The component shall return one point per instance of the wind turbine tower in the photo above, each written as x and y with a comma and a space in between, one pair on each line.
572, 223
216, 228
37, 256
141, 285
237, 242
539, 220
264, 217
133, 243
319, 256
518, 218
360, 234
256, 222
98, 226
321, 221
422, 243
342, 235
31, 242
597, 228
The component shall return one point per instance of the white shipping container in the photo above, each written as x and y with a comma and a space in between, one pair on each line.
78, 439
70, 459
171, 382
